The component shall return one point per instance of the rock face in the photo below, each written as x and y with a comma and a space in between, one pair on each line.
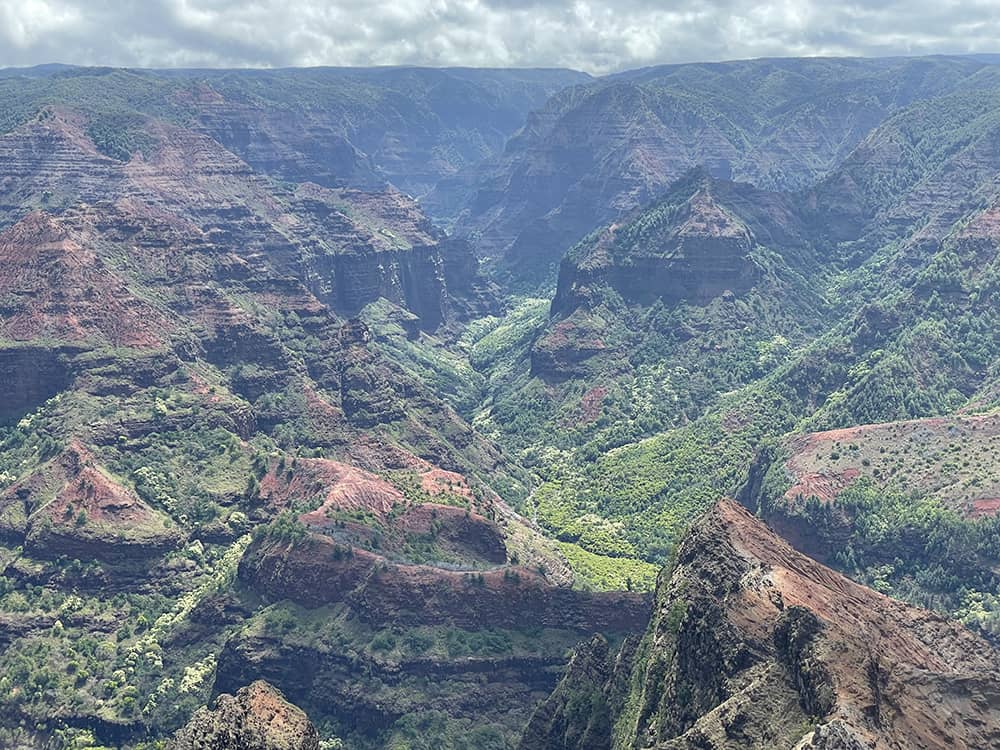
165, 305
164, 263
577, 715
29, 376
203, 411
693, 251
886, 188
337, 127
59, 289
384, 247
313, 573
680, 275
257, 717
754, 645
366, 695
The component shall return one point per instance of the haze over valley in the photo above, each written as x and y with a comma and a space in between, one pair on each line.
406, 407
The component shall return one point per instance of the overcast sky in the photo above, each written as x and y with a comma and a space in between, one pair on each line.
593, 35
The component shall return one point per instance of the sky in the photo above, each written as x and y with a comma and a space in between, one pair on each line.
598, 36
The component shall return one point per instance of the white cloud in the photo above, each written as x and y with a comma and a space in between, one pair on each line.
25, 23
595, 35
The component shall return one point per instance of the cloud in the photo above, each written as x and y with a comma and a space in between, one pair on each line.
594, 35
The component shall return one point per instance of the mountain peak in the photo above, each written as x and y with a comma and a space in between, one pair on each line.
753, 640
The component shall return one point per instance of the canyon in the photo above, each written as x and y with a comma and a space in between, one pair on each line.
397, 408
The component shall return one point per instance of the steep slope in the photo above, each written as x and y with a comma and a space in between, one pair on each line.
411, 126
385, 651
697, 254
349, 247
921, 169
673, 280
754, 645
57, 289
596, 152
906, 507
385, 606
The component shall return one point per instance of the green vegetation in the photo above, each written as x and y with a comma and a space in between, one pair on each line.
120, 136
602, 573
434, 729
913, 548
426, 358
105, 654
184, 473
405, 653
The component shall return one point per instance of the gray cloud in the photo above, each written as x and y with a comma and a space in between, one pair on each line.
594, 35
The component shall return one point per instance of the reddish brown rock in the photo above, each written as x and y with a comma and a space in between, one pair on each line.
318, 571
257, 718
752, 644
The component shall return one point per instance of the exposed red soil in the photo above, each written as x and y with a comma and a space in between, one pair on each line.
375, 454
825, 486
341, 487
984, 226
79, 484
323, 415
460, 532
987, 506
340, 491
438, 481
704, 217
952, 458
590, 404
568, 335
89, 489
72, 507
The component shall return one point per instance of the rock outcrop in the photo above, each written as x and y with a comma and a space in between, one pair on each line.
366, 694
679, 277
257, 717
58, 289
755, 645
692, 251
577, 716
